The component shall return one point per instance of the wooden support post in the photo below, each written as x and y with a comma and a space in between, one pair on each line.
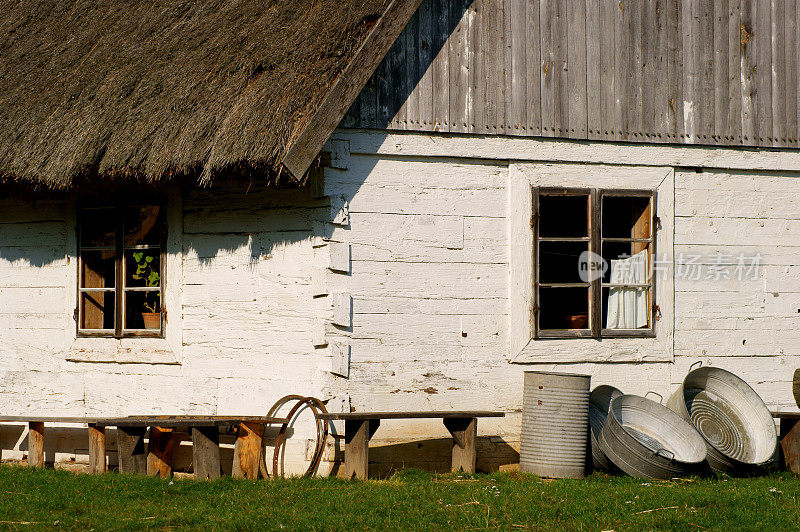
36, 444
464, 431
97, 449
357, 433
159, 452
247, 453
205, 452
130, 450
790, 444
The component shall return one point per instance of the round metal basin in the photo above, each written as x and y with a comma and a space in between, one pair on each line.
648, 440
599, 402
732, 418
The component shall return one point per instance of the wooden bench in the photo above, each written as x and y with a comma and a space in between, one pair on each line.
359, 428
157, 458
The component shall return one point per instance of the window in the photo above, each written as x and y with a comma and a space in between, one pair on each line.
121, 270
593, 257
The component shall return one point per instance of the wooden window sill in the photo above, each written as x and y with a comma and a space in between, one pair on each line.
122, 351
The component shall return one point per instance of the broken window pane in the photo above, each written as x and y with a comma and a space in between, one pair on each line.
564, 216
559, 262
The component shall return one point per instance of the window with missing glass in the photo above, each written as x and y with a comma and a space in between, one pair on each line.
594, 253
121, 270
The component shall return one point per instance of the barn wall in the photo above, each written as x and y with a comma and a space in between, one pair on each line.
244, 308
720, 72
429, 237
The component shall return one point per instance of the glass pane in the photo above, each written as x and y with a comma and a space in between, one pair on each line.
560, 262
563, 216
627, 262
563, 308
97, 310
626, 217
143, 268
98, 269
626, 308
143, 310
143, 225
98, 227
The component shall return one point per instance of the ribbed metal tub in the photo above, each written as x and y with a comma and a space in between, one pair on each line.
599, 403
648, 440
555, 413
731, 417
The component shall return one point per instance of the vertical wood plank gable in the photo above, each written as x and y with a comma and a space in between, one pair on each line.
576, 68
594, 65
533, 82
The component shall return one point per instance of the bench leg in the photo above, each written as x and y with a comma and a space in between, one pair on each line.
36, 444
159, 452
357, 434
464, 432
205, 452
97, 449
790, 444
130, 450
248, 449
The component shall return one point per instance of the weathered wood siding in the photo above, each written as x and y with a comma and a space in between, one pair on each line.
657, 71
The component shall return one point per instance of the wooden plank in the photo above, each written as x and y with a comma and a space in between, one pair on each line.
160, 449
441, 69
443, 414
748, 47
608, 9
659, 74
357, 433
691, 70
97, 449
791, 72
464, 432
533, 81
778, 72
721, 75
412, 72
131, 453
348, 85
560, 74
248, 450
621, 51
575, 39
594, 63
790, 444
633, 17
494, 110
205, 453
649, 45
517, 35
705, 49
734, 74
763, 37
36, 444
548, 75
426, 54
505, 61
458, 63
477, 76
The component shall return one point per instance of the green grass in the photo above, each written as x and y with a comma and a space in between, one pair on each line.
410, 500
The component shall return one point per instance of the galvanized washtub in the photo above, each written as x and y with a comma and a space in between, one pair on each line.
731, 417
648, 440
599, 402
555, 412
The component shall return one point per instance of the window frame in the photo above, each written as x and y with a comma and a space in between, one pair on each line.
119, 331
596, 328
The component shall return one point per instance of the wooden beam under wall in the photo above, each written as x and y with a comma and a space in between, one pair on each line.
97, 449
36, 444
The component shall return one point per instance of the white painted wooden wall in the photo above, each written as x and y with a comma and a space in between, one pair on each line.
385, 285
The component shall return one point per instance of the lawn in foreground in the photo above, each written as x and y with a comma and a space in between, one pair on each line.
409, 500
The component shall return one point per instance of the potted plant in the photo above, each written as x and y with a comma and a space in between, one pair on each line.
147, 271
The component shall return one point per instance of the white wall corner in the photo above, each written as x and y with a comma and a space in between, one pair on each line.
321, 232
342, 309
318, 337
340, 153
319, 281
340, 361
339, 257
340, 210
520, 290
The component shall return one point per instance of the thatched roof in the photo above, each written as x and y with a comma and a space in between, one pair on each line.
150, 91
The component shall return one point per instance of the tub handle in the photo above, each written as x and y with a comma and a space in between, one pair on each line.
662, 450
698, 364
660, 397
